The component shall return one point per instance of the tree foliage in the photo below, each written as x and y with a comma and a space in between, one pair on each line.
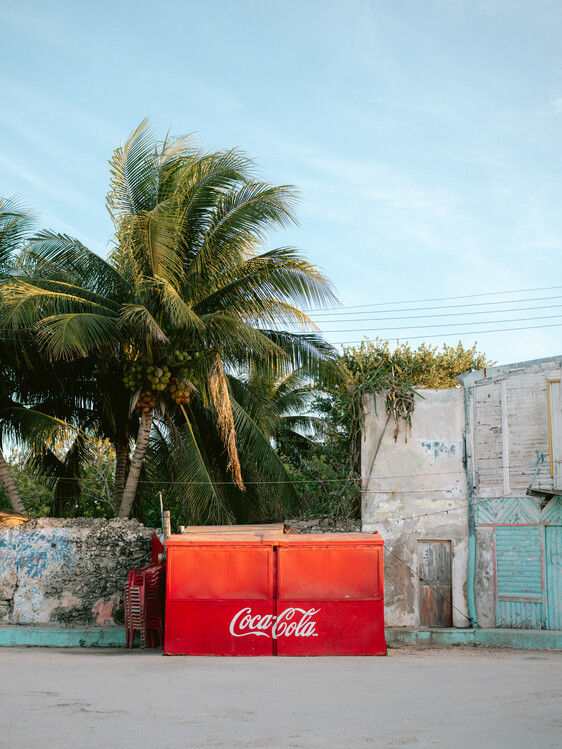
425, 367
188, 303
328, 477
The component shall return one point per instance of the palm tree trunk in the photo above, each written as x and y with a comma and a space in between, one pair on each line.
136, 464
121, 464
10, 487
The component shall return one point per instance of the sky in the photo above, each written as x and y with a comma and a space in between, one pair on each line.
423, 137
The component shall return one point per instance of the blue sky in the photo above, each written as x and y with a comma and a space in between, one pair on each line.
424, 138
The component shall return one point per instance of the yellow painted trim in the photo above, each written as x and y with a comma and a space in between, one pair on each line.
550, 424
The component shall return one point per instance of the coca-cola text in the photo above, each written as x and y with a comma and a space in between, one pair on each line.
291, 622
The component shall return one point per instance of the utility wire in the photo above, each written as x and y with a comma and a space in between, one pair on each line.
448, 325
450, 314
459, 333
473, 304
461, 506
438, 299
530, 465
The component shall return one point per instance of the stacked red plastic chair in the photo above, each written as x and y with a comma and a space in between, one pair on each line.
144, 605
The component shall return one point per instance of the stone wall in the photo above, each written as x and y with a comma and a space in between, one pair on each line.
69, 572
323, 524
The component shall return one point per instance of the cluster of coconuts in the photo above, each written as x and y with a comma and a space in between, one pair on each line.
157, 380
179, 391
159, 377
146, 401
133, 377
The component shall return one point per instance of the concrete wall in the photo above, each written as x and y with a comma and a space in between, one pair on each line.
69, 572
414, 488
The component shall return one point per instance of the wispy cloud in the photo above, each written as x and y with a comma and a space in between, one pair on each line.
50, 187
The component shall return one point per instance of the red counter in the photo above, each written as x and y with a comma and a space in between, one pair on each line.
274, 594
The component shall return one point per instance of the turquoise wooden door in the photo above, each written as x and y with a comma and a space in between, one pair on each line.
553, 553
519, 579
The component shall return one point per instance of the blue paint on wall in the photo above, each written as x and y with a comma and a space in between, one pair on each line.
438, 449
30, 553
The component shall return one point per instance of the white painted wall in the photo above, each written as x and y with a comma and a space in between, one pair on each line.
414, 488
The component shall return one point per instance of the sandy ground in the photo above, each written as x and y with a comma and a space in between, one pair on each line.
434, 697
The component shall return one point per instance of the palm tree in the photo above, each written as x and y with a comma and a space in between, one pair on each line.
185, 301
15, 221
23, 378
269, 422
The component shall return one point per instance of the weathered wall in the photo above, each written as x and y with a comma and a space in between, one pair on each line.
69, 572
510, 414
414, 489
509, 423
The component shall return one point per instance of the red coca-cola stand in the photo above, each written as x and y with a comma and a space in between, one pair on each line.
274, 594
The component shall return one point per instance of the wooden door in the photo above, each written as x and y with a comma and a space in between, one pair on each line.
434, 566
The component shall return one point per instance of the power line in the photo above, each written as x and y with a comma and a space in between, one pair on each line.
479, 304
439, 299
452, 314
460, 506
448, 325
529, 465
461, 333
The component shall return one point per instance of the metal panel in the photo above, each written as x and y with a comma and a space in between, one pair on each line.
330, 628
316, 573
198, 574
520, 614
434, 564
219, 627
555, 424
330, 595
519, 577
488, 444
553, 549
526, 399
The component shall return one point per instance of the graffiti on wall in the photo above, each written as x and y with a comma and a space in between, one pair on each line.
441, 448
31, 553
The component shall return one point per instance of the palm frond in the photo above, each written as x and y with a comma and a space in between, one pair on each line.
148, 240
240, 222
59, 294
138, 317
203, 179
238, 341
25, 305
220, 398
311, 353
134, 174
15, 224
36, 428
280, 274
190, 467
67, 336
174, 308
257, 450
49, 252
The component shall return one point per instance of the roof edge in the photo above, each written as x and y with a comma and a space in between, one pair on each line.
504, 369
